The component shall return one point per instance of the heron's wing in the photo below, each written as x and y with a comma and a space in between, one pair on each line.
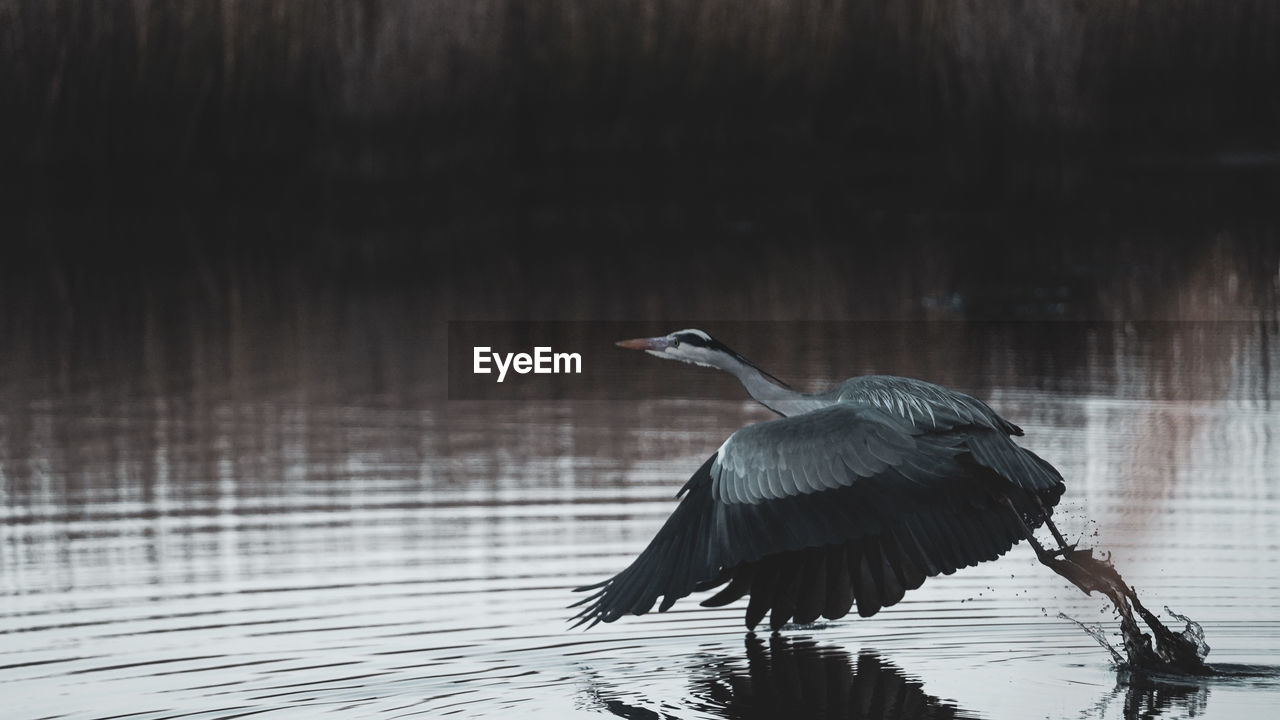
924, 405
841, 473
826, 449
675, 561
836, 446
936, 410
849, 478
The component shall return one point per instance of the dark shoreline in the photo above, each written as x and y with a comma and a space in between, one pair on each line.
191, 102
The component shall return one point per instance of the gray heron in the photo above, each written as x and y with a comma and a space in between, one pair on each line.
852, 497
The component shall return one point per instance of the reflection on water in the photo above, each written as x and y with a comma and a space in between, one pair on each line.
1147, 697
286, 529
792, 677
802, 678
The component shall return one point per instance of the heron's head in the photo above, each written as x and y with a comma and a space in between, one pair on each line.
695, 347
691, 346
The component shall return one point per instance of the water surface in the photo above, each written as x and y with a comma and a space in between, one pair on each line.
286, 534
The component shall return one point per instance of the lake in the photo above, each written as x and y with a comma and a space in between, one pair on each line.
302, 523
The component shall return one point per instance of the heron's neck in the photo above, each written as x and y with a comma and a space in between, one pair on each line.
777, 398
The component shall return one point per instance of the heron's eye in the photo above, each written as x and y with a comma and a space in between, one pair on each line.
675, 342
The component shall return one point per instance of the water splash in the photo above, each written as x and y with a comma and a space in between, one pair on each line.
1162, 651
1096, 631
1192, 632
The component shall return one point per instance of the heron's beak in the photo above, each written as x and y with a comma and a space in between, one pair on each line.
653, 344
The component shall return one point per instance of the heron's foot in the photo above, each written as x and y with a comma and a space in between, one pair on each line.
1077, 573
1088, 572
1067, 552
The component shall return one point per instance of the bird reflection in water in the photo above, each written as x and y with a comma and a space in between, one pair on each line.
799, 678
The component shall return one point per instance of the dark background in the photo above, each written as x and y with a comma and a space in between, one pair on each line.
237, 100
181, 170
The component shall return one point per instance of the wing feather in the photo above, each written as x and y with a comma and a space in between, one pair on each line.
811, 597
923, 404
839, 586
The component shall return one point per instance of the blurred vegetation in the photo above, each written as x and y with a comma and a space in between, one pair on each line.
268, 94
201, 166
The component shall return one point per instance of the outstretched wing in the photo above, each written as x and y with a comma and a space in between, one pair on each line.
934, 409
923, 404
851, 480
676, 560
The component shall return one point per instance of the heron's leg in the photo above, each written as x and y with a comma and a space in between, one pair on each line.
1044, 555
1048, 521
1081, 568
1062, 542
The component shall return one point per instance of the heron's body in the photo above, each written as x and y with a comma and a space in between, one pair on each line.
851, 498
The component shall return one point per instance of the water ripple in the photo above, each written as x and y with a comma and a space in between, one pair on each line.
391, 581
